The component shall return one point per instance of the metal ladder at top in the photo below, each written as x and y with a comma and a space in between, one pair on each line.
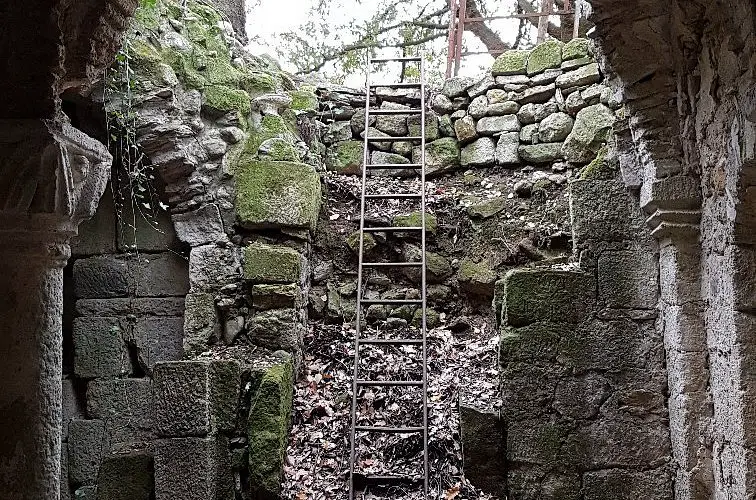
363, 304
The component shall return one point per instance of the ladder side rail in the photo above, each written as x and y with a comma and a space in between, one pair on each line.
365, 161
423, 269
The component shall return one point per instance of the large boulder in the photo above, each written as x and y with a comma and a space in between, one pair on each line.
441, 156
395, 125
540, 153
593, 126
545, 56
346, 157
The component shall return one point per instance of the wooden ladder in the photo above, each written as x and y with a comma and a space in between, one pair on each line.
363, 304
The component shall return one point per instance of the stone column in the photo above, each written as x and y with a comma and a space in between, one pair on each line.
51, 178
675, 207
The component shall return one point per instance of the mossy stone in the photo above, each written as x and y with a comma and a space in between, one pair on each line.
545, 56
476, 277
257, 83
432, 318
277, 194
278, 149
272, 264
603, 167
220, 99
487, 208
415, 219
511, 62
270, 127
267, 429
346, 158
368, 242
577, 48
304, 99
437, 265
441, 156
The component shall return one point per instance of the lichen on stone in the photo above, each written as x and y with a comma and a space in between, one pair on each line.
415, 219
272, 264
511, 62
545, 56
347, 157
304, 99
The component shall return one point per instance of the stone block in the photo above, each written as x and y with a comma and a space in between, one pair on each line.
201, 226
276, 296
125, 405
201, 323
593, 126
74, 403
628, 279
86, 493
511, 62
88, 443
539, 441
159, 339
98, 234
147, 230
581, 397
65, 487
151, 306
189, 469
527, 390
679, 274
277, 329
102, 276
161, 275
526, 482
483, 447
99, 348
274, 194
506, 149
605, 211
545, 56
268, 426
490, 125
273, 264
195, 398
211, 267
548, 295
128, 476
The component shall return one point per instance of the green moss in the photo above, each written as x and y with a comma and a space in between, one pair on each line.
576, 48
222, 99
603, 167
270, 127
437, 265
415, 219
278, 149
511, 62
471, 271
277, 193
346, 157
267, 429
432, 318
545, 56
147, 13
304, 99
258, 83
272, 264
368, 242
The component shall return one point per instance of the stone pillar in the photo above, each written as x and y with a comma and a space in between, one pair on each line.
51, 177
674, 204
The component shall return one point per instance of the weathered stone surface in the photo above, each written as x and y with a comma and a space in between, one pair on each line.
618, 483
442, 104
546, 295
276, 329
456, 86
628, 279
431, 126
576, 63
267, 428
200, 227
201, 323
346, 157
273, 264
89, 442
390, 124
481, 87
98, 234
358, 121
555, 128
160, 275
603, 210
100, 277
541, 93
584, 75
574, 102
490, 125
127, 476
477, 107
548, 76
211, 267
526, 114
99, 348
476, 277
277, 194
529, 134
414, 219
511, 62
125, 405
188, 468
540, 153
278, 296
503, 108
506, 149
445, 127
545, 56
592, 128
486, 208
481, 153
464, 129
483, 447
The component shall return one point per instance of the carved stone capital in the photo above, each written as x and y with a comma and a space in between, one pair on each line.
51, 178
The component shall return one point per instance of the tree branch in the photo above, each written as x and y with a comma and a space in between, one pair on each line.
489, 37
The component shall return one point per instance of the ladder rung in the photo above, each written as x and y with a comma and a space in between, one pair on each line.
375, 478
394, 139
392, 341
394, 196
408, 85
388, 430
389, 302
379, 112
394, 166
395, 59
391, 383
391, 228
392, 264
